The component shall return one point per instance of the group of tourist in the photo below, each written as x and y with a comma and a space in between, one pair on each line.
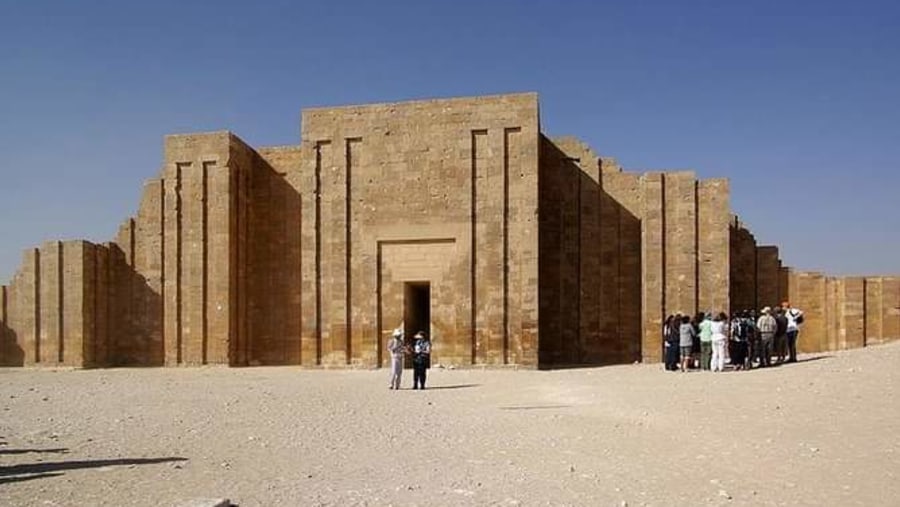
419, 349
708, 341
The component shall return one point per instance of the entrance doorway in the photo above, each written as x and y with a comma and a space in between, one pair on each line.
416, 312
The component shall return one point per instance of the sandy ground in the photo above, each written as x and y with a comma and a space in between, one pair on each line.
825, 431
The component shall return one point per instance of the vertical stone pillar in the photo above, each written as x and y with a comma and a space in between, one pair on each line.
100, 292
891, 308
315, 152
220, 242
332, 227
808, 292
653, 264
73, 303
742, 279
589, 244
680, 237
488, 244
6, 344
51, 307
173, 175
854, 310
829, 339
521, 152
713, 217
193, 272
767, 276
147, 277
874, 316
353, 146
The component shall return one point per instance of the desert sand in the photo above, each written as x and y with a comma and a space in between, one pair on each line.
825, 431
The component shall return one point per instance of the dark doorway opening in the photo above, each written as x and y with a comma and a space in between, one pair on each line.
416, 312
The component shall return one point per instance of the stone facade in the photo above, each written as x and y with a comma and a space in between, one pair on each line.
454, 216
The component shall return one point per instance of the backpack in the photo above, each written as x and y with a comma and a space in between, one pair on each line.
738, 330
744, 332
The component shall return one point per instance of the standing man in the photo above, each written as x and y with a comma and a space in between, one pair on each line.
396, 347
706, 338
749, 319
671, 338
739, 341
766, 326
421, 359
686, 334
781, 323
794, 319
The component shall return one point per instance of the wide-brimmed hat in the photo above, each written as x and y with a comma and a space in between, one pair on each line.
397, 333
767, 310
420, 334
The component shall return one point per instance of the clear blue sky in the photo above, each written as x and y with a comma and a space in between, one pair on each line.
797, 102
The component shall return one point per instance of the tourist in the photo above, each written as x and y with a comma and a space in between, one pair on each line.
705, 341
780, 335
794, 320
766, 326
421, 359
738, 341
686, 333
671, 339
718, 339
748, 320
397, 349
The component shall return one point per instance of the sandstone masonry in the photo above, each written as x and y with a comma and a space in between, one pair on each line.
454, 216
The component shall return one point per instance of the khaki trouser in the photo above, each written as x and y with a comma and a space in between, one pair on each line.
765, 349
396, 370
705, 355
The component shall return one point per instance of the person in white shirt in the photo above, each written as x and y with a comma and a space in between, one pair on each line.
719, 339
794, 320
397, 349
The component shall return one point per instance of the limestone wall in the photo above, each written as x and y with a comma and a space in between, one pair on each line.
743, 267
845, 312
840, 312
275, 284
564, 234
453, 182
632, 247
528, 251
686, 263
53, 311
769, 280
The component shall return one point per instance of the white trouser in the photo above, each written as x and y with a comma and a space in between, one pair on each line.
396, 370
718, 355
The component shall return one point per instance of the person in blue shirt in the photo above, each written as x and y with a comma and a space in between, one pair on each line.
421, 359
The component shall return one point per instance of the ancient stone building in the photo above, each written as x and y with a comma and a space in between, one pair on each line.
457, 216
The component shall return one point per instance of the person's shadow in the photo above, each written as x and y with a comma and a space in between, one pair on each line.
32, 471
457, 386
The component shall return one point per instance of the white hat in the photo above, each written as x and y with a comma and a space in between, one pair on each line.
766, 310
398, 333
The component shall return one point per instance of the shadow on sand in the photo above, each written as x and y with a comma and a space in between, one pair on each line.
457, 386
30, 471
813, 358
61, 450
535, 407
